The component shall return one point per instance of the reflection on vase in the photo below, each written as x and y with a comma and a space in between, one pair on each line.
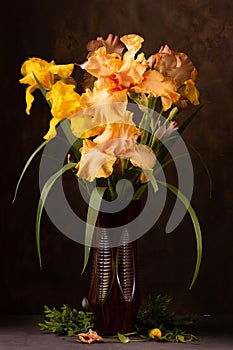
114, 294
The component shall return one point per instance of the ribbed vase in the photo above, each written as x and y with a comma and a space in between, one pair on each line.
114, 295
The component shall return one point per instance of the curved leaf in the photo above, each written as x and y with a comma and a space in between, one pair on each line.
196, 226
205, 167
47, 187
26, 166
152, 179
92, 214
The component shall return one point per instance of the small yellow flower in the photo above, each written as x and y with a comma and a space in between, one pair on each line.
155, 333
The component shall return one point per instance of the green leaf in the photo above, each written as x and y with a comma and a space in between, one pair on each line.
122, 338
180, 338
183, 126
26, 166
139, 191
196, 226
205, 167
65, 124
75, 142
92, 214
152, 179
43, 196
169, 161
42, 89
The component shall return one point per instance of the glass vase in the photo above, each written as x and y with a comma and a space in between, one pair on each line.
114, 295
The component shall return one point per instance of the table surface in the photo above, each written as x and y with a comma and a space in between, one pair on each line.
21, 332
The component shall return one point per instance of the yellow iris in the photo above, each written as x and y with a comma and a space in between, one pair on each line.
45, 72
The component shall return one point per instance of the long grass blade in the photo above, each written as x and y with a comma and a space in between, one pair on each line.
74, 142
92, 214
196, 226
47, 187
26, 166
205, 167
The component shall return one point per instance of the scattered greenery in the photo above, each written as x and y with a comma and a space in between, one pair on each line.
154, 313
66, 321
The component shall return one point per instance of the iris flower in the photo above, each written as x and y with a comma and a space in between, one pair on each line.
116, 70
117, 141
47, 73
178, 66
130, 72
100, 107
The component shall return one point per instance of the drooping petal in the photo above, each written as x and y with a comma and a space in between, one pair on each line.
94, 163
29, 98
65, 101
143, 157
52, 129
190, 91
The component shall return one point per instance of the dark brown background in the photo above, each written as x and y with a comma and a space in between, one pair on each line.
60, 30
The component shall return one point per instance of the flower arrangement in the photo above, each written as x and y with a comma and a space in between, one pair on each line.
106, 143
